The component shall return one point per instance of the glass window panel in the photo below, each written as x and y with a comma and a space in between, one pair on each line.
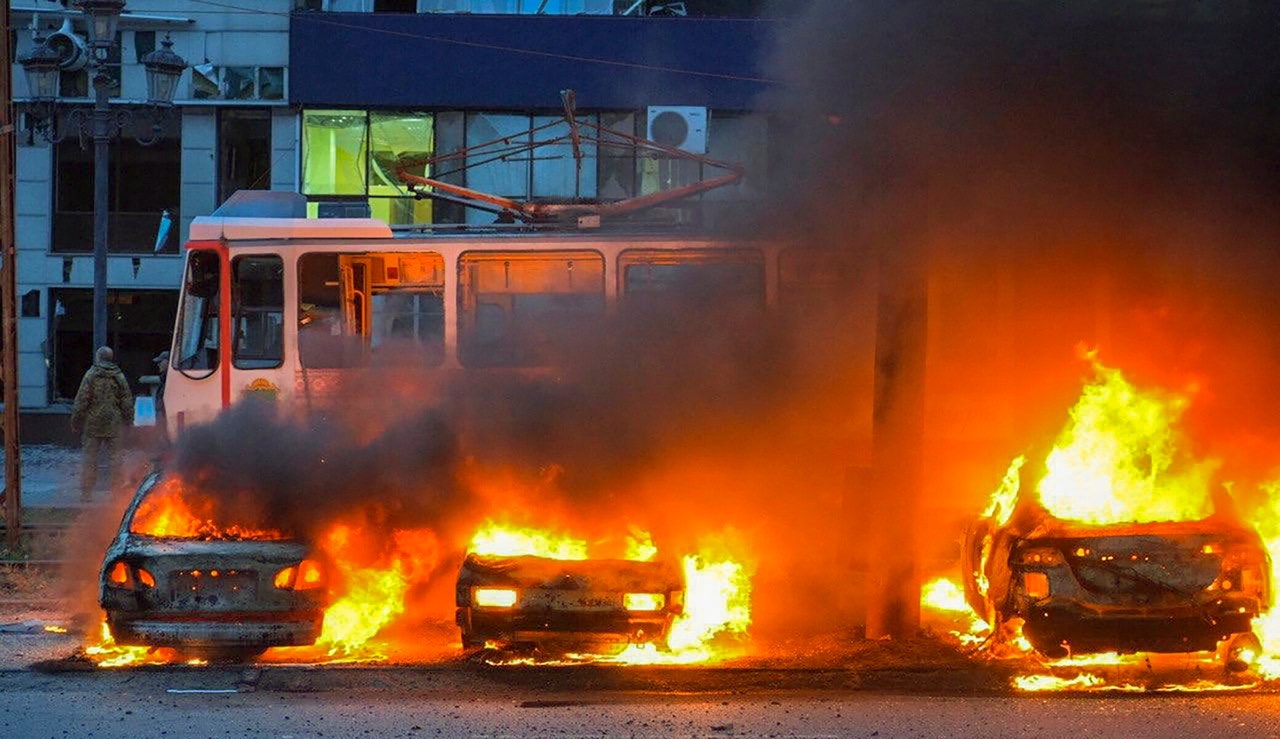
665, 173
239, 83
555, 171
500, 168
333, 152
195, 347
400, 211
394, 137
675, 282
144, 42
204, 81
617, 176
517, 308
271, 83
744, 140
73, 84
324, 340
244, 151
258, 295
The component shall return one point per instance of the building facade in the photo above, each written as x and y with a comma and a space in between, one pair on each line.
324, 97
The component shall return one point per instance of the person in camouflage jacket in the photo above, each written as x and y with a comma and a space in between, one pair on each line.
103, 407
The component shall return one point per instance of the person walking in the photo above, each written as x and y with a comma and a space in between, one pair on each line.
103, 407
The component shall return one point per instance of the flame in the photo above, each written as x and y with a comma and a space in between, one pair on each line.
1037, 683
1117, 460
1002, 502
1267, 625
717, 600
106, 653
511, 541
944, 596
172, 510
640, 546
374, 596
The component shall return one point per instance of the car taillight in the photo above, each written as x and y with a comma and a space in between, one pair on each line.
306, 575
119, 575
122, 575
145, 579
310, 576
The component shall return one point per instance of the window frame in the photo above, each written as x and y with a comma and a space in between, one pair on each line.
236, 308
466, 329
175, 354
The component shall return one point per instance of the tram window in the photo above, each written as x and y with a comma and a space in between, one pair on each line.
515, 308
723, 284
258, 295
195, 348
353, 307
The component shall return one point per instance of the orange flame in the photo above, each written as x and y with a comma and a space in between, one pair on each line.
172, 510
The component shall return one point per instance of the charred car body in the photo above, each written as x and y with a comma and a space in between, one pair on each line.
225, 594
554, 605
1150, 587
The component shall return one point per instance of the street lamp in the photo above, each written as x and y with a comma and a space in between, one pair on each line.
104, 18
100, 124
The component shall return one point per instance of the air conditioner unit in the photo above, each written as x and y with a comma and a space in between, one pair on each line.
73, 54
680, 126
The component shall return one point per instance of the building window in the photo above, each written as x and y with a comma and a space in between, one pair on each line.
244, 151
516, 308
258, 296
144, 182
353, 155
139, 326
210, 82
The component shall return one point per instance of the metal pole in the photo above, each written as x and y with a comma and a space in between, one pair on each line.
9, 300
893, 603
101, 138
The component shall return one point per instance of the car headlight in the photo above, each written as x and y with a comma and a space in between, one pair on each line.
494, 597
643, 601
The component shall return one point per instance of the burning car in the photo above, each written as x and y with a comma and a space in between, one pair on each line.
173, 577
1169, 586
566, 606
1120, 540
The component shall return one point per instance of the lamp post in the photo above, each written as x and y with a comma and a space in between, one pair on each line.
100, 124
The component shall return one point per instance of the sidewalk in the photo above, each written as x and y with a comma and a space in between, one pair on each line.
51, 475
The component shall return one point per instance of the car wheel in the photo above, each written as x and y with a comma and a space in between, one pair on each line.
1240, 651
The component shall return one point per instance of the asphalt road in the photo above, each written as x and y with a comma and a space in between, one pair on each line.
302, 703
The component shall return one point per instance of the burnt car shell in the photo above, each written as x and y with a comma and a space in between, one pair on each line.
1149, 587
218, 596
566, 605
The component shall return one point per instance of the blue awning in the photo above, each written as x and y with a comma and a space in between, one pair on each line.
370, 60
